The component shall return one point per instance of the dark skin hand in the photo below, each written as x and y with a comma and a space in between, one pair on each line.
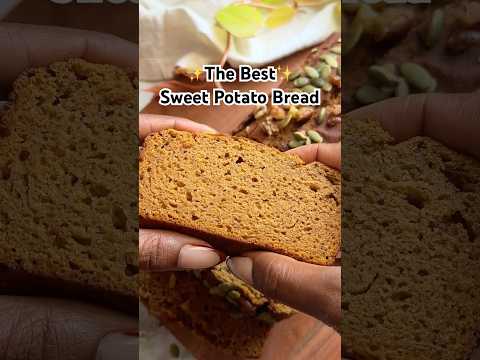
31, 45
48, 328
162, 250
450, 119
313, 289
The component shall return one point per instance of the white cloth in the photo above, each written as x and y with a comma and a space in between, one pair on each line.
183, 32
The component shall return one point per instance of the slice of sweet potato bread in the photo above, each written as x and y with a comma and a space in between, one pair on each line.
240, 195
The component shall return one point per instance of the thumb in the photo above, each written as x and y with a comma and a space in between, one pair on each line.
161, 250
313, 289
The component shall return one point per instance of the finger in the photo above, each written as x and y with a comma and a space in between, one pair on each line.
313, 289
161, 250
48, 328
449, 118
328, 154
32, 45
153, 123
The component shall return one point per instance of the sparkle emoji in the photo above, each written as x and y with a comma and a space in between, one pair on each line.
286, 73
197, 73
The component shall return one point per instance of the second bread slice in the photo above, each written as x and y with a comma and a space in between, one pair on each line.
240, 195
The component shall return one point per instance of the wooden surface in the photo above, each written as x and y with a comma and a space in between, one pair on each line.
224, 118
299, 337
228, 118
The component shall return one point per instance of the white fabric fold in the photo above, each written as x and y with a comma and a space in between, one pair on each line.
174, 32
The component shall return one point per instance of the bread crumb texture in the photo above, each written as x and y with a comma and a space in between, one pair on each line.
68, 165
240, 195
411, 247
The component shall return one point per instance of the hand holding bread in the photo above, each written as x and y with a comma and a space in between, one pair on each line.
161, 250
313, 289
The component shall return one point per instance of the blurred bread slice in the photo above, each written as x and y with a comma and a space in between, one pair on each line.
68, 165
411, 247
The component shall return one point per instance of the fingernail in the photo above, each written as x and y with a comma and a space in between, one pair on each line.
241, 267
211, 131
197, 257
118, 346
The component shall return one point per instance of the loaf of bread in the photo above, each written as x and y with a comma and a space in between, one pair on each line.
410, 227
275, 125
240, 195
218, 307
68, 166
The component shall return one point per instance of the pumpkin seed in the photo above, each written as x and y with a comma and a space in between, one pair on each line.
433, 86
352, 36
322, 115
392, 68
311, 72
368, 17
330, 60
301, 81
304, 113
417, 76
308, 141
260, 111
174, 350
435, 29
266, 317
172, 281
295, 143
327, 87
337, 49
369, 94
318, 82
221, 289
402, 88
226, 287
324, 70
295, 75
292, 112
382, 76
234, 294
284, 123
314, 136
300, 136
309, 88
